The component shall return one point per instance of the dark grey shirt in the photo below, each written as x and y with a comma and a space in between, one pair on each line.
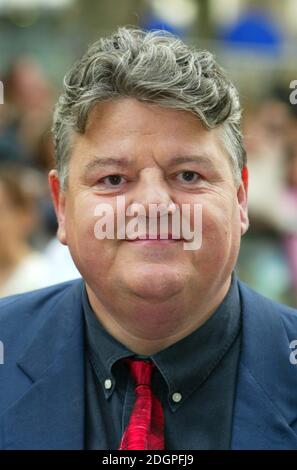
195, 380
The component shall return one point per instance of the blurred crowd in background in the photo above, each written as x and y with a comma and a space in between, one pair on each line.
256, 42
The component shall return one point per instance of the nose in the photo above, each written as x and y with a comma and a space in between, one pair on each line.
152, 189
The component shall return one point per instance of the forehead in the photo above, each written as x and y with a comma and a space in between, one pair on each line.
138, 130
129, 116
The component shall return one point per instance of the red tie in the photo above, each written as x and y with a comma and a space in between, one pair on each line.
145, 429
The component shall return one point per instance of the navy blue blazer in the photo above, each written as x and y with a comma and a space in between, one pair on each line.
42, 378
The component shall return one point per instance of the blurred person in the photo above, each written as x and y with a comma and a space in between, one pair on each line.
45, 154
266, 140
27, 106
262, 261
290, 210
21, 267
157, 346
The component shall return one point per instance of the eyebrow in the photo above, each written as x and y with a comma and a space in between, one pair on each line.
104, 162
204, 160
124, 163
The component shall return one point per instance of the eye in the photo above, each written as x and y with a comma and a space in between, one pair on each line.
188, 176
112, 180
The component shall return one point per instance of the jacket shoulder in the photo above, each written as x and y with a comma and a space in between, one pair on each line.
274, 311
23, 314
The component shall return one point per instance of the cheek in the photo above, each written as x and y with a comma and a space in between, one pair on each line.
86, 215
220, 230
87, 250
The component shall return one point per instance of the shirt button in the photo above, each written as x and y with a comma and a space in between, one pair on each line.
108, 384
176, 397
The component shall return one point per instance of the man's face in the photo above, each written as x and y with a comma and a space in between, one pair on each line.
142, 142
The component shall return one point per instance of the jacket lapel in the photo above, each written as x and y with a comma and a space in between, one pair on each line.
266, 403
51, 413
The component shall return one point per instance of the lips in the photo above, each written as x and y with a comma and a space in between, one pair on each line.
153, 237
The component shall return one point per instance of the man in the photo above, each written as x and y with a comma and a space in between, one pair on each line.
159, 346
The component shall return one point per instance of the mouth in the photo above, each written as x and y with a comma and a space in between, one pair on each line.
154, 239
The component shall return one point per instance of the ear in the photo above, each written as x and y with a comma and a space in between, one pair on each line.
59, 200
242, 197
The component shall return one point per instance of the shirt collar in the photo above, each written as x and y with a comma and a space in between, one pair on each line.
103, 349
184, 365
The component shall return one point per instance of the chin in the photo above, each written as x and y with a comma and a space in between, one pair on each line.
156, 283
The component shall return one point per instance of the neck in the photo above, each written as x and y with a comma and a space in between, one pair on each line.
147, 329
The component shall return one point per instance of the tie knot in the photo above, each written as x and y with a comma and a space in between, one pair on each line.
141, 371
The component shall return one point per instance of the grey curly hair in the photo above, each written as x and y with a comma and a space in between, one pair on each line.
156, 67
